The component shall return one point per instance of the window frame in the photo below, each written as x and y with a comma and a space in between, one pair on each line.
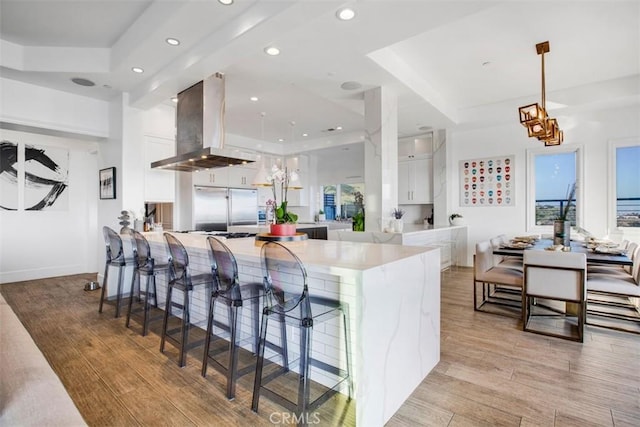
578, 149
612, 196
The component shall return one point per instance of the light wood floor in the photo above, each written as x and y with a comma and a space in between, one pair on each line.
490, 372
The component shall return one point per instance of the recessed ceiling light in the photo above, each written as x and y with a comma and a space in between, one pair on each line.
346, 14
137, 70
175, 99
172, 41
225, 2
350, 85
82, 82
271, 50
280, 140
305, 134
338, 127
254, 98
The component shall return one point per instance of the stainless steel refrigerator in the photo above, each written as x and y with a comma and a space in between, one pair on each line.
215, 208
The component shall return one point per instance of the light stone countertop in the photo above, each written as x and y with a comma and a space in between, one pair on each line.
321, 253
418, 228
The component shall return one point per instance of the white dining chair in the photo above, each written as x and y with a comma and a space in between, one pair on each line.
504, 260
613, 296
554, 294
499, 286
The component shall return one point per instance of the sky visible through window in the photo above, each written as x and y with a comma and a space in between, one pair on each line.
628, 171
554, 174
628, 186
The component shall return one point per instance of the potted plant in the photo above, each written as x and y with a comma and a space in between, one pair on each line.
456, 219
284, 221
397, 222
358, 218
321, 215
562, 224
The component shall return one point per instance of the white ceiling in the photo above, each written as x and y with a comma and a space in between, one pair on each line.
452, 63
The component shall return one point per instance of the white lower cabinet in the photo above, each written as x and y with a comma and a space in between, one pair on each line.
415, 182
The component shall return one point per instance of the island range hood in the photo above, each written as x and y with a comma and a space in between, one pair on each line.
200, 130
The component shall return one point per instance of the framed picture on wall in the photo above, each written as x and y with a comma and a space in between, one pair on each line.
489, 181
108, 183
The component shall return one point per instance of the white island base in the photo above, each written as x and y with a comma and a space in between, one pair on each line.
394, 298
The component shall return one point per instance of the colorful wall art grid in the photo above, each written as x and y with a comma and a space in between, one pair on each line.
487, 182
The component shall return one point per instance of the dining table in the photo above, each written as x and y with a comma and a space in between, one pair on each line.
593, 256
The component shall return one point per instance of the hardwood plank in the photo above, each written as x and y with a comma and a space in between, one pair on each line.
625, 419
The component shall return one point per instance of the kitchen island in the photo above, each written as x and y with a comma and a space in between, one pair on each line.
452, 240
393, 294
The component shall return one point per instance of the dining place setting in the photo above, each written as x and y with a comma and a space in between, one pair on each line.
601, 251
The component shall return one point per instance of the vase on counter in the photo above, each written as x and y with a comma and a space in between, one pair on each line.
287, 229
562, 233
397, 224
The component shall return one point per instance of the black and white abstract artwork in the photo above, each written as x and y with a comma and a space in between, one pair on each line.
8, 176
46, 178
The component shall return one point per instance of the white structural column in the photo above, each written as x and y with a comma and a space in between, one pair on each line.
440, 202
380, 157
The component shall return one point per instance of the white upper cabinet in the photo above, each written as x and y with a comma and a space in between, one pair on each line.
415, 147
241, 176
415, 182
216, 177
159, 185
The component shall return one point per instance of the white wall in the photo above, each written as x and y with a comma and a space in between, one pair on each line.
44, 244
38, 244
35, 106
592, 130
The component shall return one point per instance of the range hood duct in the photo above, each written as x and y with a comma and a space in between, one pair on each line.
200, 130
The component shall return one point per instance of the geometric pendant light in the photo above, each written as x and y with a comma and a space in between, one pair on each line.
534, 116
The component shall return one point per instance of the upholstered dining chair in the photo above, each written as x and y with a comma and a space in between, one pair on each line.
504, 260
499, 286
613, 295
551, 277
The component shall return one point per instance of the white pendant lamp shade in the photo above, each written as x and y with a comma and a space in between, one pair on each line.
260, 178
264, 169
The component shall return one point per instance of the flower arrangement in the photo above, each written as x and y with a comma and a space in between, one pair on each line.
397, 213
279, 180
571, 193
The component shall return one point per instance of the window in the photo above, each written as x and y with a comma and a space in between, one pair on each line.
627, 185
552, 173
339, 200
